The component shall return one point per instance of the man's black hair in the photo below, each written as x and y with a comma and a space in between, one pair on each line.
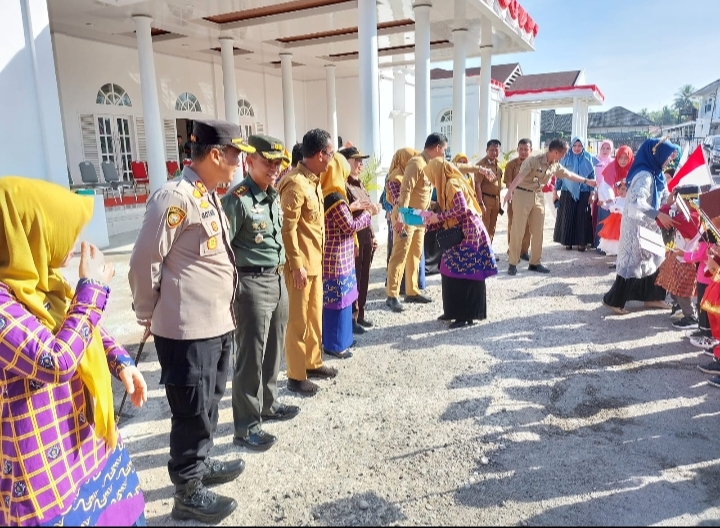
314, 141
435, 139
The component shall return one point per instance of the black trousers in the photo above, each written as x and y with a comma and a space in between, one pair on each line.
703, 320
194, 373
363, 263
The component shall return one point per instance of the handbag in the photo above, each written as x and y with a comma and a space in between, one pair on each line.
450, 237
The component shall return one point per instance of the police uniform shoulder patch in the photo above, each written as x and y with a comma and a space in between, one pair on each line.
175, 216
240, 191
200, 186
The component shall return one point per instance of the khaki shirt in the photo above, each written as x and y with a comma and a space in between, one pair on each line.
537, 172
416, 188
303, 227
182, 270
512, 169
485, 186
255, 225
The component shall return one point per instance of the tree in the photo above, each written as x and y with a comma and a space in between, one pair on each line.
668, 116
644, 113
683, 103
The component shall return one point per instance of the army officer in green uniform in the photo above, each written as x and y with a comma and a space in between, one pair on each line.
261, 304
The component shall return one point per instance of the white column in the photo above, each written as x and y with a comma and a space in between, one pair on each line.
503, 128
399, 111
486, 45
331, 103
584, 116
151, 104
288, 99
575, 119
513, 129
422, 72
229, 84
368, 75
459, 91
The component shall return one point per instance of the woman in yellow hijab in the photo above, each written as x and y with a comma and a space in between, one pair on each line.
60, 445
464, 266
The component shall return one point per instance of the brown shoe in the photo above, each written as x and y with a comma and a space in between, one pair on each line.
323, 372
302, 386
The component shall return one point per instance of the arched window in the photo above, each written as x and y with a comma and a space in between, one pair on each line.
445, 122
187, 102
112, 94
245, 108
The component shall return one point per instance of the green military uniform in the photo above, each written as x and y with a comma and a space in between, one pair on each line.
261, 303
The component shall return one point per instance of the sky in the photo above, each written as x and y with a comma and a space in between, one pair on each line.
638, 52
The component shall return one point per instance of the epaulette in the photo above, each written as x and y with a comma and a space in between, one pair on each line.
241, 191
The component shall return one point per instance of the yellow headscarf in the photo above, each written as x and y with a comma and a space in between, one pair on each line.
460, 155
40, 223
399, 162
335, 177
448, 181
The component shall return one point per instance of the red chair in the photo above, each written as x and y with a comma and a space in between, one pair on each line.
187, 162
140, 175
172, 168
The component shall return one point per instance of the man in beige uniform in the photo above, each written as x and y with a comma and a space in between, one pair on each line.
512, 169
303, 234
415, 192
487, 189
182, 276
529, 204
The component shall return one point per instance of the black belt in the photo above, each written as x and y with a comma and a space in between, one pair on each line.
528, 190
259, 270
491, 195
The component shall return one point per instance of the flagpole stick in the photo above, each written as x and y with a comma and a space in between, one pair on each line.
145, 337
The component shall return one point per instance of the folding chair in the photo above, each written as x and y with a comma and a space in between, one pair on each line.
140, 176
112, 177
90, 178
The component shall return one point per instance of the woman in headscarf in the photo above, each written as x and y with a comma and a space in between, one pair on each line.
63, 462
393, 183
466, 265
618, 170
598, 213
573, 225
339, 279
637, 268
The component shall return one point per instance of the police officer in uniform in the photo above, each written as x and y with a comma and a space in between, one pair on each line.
182, 277
528, 203
261, 303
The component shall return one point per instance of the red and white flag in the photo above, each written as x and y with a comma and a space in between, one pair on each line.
694, 171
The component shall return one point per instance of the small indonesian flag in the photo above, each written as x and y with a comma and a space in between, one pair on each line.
695, 171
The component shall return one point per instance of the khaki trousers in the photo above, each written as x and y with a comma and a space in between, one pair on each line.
492, 209
303, 350
405, 258
526, 237
529, 210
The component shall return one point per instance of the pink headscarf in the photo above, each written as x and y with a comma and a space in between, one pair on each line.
604, 160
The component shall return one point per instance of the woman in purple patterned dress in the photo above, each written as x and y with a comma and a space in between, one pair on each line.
63, 462
465, 266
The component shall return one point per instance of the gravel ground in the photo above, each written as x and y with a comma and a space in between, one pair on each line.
550, 412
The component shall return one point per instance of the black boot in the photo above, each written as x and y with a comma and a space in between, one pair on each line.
195, 502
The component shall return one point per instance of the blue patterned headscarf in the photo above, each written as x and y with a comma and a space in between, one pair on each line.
650, 157
582, 164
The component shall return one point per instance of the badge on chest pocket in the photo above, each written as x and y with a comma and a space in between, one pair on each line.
210, 238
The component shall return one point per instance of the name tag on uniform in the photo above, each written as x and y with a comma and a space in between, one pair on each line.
209, 213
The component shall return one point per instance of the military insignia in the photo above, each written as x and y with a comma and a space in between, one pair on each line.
255, 226
263, 225
175, 216
240, 191
214, 225
204, 205
201, 187
258, 238
197, 193
212, 243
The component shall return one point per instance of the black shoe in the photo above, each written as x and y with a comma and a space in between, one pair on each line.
714, 381
444, 317
525, 256
711, 368
260, 441
674, 309
283, 413
218, 472
418, 299
365, 323
323, 372
344, 354
512, 270
394, 304
357, 329
457, 324
302, 386
700, 332
538, 268
194, 502
686, 322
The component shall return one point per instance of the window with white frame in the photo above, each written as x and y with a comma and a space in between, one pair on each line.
112, 94
187, 102
245, 109
445, 122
